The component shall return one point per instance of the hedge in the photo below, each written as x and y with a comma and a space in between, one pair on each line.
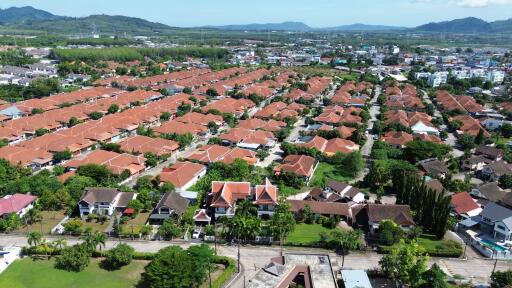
450, 249
228, 272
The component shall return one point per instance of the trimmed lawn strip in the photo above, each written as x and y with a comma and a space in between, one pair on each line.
96, 226
49, 220
27, 273
325, 172
306, 234
138, 222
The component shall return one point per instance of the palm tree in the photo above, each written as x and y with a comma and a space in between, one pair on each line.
89, 241
246, 208
46, 246
60, 243
100, 240
33, 215
34, 238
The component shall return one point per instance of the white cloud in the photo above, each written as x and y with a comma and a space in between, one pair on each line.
483, 3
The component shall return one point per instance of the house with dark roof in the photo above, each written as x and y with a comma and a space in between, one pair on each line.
495, 170
103, 201
347, 192
497, 221
400, 214
434, 168
170, 205
321, 208
489, 191
491, 153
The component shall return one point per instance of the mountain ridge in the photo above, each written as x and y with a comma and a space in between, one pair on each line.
30, 18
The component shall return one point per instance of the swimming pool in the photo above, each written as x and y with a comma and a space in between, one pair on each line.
492, 245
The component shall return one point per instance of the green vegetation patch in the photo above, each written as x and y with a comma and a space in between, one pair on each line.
27, 273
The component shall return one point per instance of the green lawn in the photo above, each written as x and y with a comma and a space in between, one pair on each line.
325, 172
49, 220
27, 273
95, 226
137, 223
306, 234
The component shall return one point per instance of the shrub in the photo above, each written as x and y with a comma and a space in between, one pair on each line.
119, 256
75, 258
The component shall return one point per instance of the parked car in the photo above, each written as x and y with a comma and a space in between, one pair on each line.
197, 234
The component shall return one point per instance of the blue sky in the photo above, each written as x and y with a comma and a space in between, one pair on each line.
316, 13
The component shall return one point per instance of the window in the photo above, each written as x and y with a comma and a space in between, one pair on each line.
501, 227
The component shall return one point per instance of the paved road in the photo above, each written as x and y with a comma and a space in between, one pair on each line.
255, 257
276, 152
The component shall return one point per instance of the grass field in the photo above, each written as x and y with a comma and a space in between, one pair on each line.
137, 222
95, 226
325, 172
27, 273
306, 234
49, 220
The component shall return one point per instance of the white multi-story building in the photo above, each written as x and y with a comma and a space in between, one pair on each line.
419, 75
438, 78
496, 76
477, 73
460, 74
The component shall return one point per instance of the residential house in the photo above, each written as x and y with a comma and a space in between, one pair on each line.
16, 203
496, 220
475, 163
348, 192
493, 171
434, 168
300, 165
266, 197
397, 139
182, 174
491, 153
490, 191
170, 205
464, 206
320, 208
400, 214
103, 201
224, 196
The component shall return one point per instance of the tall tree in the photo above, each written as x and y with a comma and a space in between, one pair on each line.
406, 263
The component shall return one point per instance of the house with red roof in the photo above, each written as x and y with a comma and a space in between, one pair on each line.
18, 203
464, 206
300, 165
397, 139
182, 174
265, 196
224, 197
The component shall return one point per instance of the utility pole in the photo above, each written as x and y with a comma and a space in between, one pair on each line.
495, 261
238, 253
215, 236
209, 273
342, 254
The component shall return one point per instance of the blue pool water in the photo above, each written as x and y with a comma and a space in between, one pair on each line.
492, 245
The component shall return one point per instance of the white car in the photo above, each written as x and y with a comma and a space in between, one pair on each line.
196, 234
